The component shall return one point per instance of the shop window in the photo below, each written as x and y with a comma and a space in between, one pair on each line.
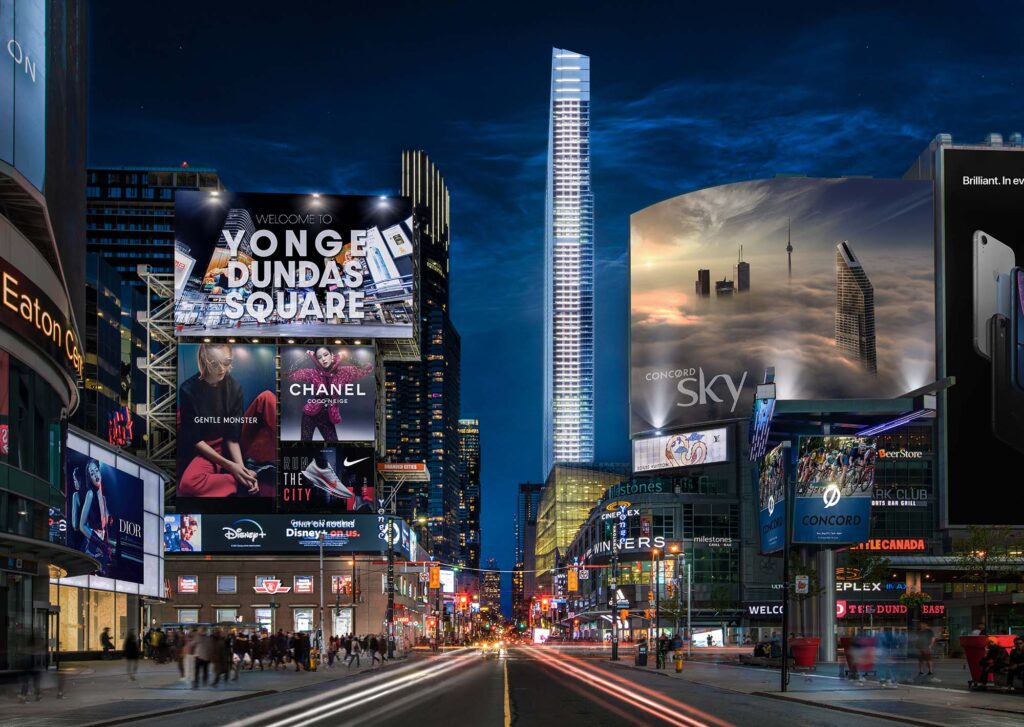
303, 619
103, 614
227, 584
188, 615
265, 618
227, 615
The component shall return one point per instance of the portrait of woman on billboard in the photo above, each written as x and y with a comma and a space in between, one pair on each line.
326, 384
88, 514
227, 421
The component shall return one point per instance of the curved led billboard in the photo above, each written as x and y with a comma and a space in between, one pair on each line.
831, 281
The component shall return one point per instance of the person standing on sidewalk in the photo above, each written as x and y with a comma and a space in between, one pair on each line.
131, 653
204, 654
354, 652
222, 656
925, 643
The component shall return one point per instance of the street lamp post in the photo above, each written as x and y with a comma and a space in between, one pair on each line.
320, 637
613, 587
676, 579
657, 595
689, 610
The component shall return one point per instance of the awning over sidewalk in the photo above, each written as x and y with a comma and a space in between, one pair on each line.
69, 560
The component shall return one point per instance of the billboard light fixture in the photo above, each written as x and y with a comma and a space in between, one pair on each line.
897, 422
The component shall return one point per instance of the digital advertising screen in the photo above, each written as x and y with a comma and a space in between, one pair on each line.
183, 533
686, 449
771, 497
829, 281
317, 477
23, 87
283, 534
328, 393
835, 479
296, 265
105, 516
982, 196
227, 425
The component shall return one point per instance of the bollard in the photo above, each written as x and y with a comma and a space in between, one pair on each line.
679, 663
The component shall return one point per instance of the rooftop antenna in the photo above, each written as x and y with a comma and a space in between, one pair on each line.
789, 245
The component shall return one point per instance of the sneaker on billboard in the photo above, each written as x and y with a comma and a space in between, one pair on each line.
325, 479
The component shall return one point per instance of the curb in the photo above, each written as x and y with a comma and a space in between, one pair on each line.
852, 710
138, 716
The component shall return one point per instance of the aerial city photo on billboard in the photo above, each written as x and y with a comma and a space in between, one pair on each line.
828, 280
105, 516
835, 480
686, 449
294, 265
227, 419
328, 393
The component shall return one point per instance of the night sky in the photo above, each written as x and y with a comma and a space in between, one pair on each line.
317, 96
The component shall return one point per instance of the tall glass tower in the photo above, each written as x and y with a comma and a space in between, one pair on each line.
569, 267
855, 310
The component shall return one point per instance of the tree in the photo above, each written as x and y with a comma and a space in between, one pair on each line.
985, 553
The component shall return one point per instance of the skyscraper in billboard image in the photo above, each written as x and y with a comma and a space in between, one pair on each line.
227, 423
328, 393
834, 287
295, 265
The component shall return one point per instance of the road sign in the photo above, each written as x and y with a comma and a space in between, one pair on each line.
803, 585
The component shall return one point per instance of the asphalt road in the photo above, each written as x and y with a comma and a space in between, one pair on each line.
527, 687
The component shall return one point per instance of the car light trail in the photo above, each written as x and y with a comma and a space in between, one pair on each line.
329, 704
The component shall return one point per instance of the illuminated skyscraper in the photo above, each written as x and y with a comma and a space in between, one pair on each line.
855, 309
469, 492
569, 267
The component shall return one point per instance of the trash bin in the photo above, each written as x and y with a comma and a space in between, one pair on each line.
804, 650
641, 654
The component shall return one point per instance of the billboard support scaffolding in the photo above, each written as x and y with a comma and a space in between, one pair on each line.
161, 369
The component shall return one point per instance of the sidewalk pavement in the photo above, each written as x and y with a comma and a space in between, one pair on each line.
946, 703
100, 692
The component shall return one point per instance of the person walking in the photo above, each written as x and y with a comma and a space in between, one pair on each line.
222, 657
354, 652
374, 651
106, 642
28, 662
925, 644
131, 653
204, 654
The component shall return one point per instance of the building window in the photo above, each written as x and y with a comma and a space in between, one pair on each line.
303, 618
260, 580
227, 615
227, 584
265, 618
188, 615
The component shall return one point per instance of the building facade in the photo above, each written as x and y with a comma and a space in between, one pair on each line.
469, 492
490, 588
422, 398
855, 310
569, 267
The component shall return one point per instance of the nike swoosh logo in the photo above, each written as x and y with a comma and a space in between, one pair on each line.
357, 461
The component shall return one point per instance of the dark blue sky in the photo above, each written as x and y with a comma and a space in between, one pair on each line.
318, 96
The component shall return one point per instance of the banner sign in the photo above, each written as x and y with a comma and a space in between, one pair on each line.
105, 516
680, 450
763, 610
883, 608
295, 265
331, 478
218, 534
188, 584
328, 393
834, 481
773, 475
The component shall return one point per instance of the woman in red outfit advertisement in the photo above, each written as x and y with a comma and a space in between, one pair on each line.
227, 438
324, 381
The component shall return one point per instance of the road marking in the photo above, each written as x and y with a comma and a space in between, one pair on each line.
508, 712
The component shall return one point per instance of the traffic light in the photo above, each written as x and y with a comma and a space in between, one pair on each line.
623, 614
639, 567
545, 604
463, 600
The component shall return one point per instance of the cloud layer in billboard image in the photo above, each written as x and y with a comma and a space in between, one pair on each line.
847, 312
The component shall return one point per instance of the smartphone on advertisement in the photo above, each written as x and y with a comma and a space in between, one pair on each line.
991, 258
1007, 336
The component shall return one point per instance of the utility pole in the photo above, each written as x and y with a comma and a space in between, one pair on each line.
320, 637
613, 588
657, 595
689, 610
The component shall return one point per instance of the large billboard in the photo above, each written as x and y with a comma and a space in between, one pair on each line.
105, 515
686, 449
227, 425
831, 281
296, 265
835, 479
982, 197
773, 475
287, 534
328, 393
326, 478
23, 87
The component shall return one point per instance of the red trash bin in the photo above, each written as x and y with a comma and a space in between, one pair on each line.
974, 649
805, 650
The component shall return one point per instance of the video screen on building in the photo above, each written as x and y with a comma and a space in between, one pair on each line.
328, 393
771, 497
835, 480
295, 265
23, 88
183, 533
318, 477
829, 281
982, 239
686, 449
105, 516
227, 425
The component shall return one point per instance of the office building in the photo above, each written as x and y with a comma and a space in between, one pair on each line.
724, 287
855, 310
490, 590
422, 396
703, 284
524, 581
569, 267
741, 273
469, 492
